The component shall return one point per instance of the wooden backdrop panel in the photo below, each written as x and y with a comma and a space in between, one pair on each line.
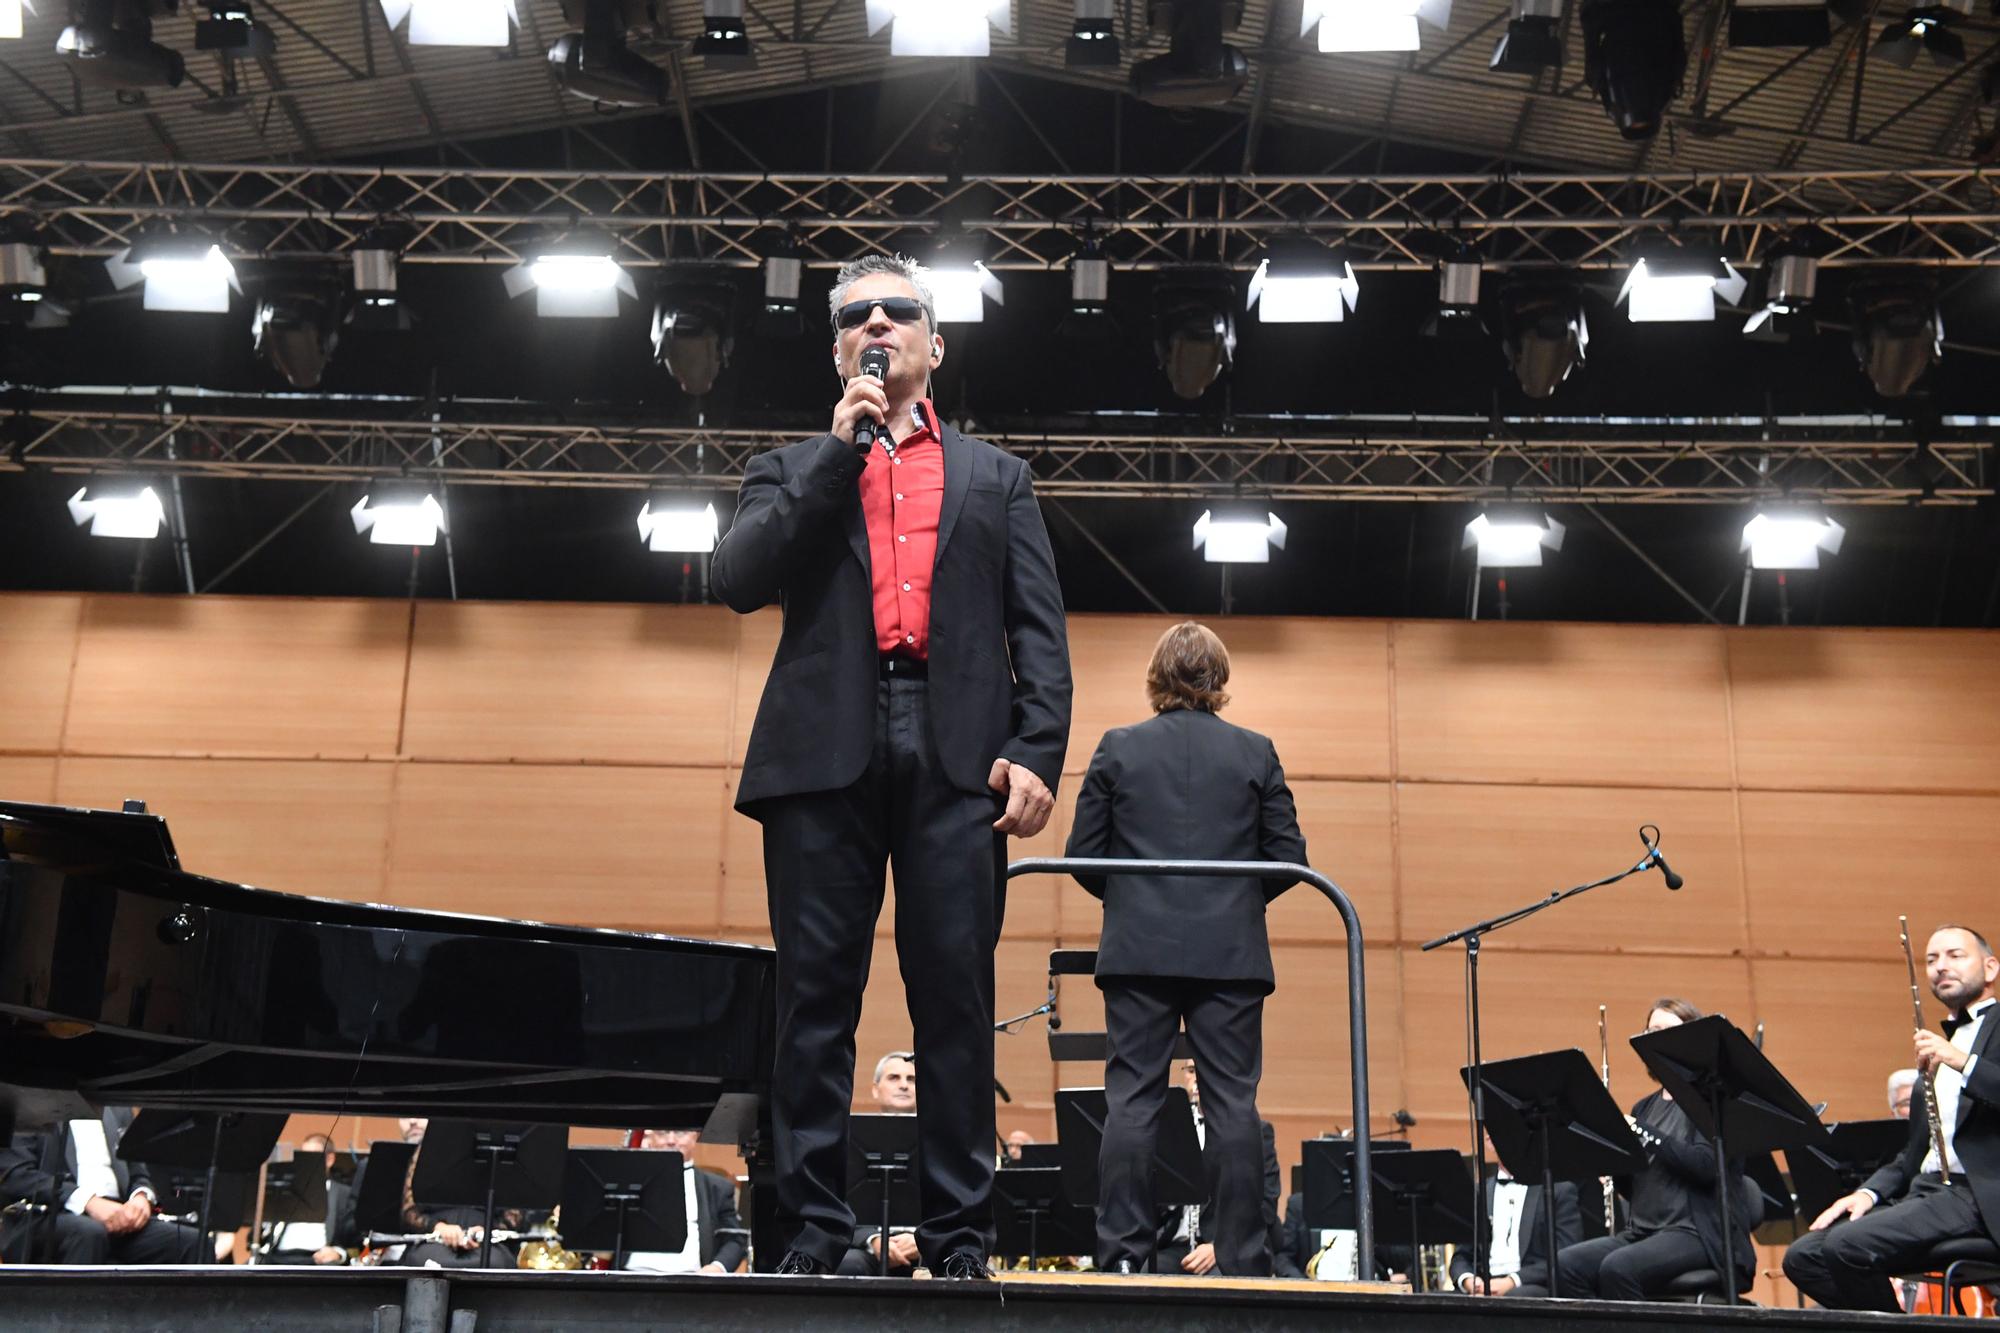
1866, 709
297, 677
626, 847
1307, 1056
1846, 1066
296, 826
38, 639
29, 778
1829, 873
1471, 852
554, 681
1640, 705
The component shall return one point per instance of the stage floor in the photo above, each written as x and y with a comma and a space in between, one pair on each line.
388, 1300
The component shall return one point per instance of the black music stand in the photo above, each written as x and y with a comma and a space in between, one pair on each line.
1178, 1174
505, 1165
882, 1173
1854, 1150
1326, 1168
621, 1199
1040, 1154
1550, 1119
214, 1144
295, 1191
1733, 1096
1420, 1200
378, 1202
1034, 1218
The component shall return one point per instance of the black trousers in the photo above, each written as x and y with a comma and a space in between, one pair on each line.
1225, 1025
824, 854
71, 1238
1848, 1266
1625, 1268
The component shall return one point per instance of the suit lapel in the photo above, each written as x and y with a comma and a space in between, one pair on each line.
704, 1220
958, 458
1986, 1049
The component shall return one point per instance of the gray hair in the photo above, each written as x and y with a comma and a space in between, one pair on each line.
883, 1064
901, 266
1902, 1078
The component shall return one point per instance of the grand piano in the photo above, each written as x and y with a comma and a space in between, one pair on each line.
125, 979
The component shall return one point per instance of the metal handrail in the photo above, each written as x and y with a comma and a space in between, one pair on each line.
1357, 994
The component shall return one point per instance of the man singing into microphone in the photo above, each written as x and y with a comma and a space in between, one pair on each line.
916, 714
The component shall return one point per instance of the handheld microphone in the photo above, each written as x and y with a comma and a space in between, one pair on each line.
875, 363
1653, 857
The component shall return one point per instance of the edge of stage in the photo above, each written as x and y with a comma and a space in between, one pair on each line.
391, 1300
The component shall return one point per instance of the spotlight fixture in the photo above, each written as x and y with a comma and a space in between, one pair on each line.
24, 280
961, 284
694, 323
780, 317
110, 45
1093, 40
1089, 319
1790, 537
1925, 30
941, 27
598, 65
186, 272
407, 520
1532, 42
1761, 23
1791, 279
1506, 537
454, 22
1300, 281
1633, 59
295, 328
573, 277
231, 32
133, 514
10, 17
725, 40
674, 523
1238, 532
1671, 283
377, 307
1194, 328
1347, 26
1457, 313
1898, 332
1543, 332
1199, 68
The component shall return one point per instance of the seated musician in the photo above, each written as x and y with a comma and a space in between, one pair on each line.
1933, 1192
1185, 1241
714, 1231
75, 1202
1901, 1084
1016, 1140
1675, 1226
1516, 1237
454, 1231
895, 1093
326, 1242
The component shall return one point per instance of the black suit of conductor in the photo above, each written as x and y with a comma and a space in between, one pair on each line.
850, 765
1184, 786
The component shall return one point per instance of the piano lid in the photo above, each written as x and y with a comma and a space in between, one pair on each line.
67, 836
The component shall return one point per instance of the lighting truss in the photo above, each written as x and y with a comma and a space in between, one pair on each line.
1931, 217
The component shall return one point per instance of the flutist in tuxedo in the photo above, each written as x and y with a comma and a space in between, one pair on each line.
1888, 1225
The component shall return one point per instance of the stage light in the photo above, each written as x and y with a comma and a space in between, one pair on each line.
1925, 30
1194, 328
24, 279
1633, 58
113, 48
454, 22
1300, 281
1672, 283
1457, 313
1790, 280
1790, 537
599, 66
961, 285
725, 39
1532, 42
230, 31
573, 277
694, 323
1238, 533
1089, 319
377, 308
780, 317
941, 27
1351, 26
1507, 538
133, 514
1761, 23
186, 273
1898, 332
1093, 40
10, 17
294, 330
1199, 69
673, 523
1543, 332
411, 521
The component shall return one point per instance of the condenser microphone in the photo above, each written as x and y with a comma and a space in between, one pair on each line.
875, 363
1653, 857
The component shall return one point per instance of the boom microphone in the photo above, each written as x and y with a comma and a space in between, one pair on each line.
1653, 857
874, 363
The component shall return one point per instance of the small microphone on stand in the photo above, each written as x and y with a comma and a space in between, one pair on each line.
1652, 846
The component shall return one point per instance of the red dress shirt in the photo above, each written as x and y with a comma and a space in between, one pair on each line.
902, 492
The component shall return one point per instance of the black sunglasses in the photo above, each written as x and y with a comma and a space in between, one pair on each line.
902, 309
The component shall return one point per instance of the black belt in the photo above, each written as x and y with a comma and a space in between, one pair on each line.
909, 668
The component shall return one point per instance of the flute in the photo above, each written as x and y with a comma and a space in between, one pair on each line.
1604, 1070
1929, 1076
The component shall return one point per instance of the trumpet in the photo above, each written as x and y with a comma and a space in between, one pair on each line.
1604, 1071
1929, 1076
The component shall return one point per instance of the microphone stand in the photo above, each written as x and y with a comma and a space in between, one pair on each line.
1475, 1084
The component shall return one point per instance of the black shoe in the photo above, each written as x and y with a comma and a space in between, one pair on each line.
797, 1263
967, 1265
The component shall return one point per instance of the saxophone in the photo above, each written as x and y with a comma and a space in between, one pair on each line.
1929, 1076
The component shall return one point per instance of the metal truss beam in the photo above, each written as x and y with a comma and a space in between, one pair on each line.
1930, 217
1837, 462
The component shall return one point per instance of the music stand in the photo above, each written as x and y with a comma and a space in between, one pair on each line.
1854, 1150
1033, 1216
1040, 1154
1179, 1177
1327, 1166
621, 1199
1420, 1199
378, 1202
882, 1173
295, 1191
1779, 1226
1733, 1096
1551, 1119
345, 1164
233, 1142
508, 1165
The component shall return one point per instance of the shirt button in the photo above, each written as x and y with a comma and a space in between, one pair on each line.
899, 495
906, 587
909, 638
901, 538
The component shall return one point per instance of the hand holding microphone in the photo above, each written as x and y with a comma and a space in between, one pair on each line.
863, 410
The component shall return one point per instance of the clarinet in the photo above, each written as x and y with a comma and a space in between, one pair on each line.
1929, 1076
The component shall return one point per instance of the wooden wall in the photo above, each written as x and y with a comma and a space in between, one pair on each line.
576, 763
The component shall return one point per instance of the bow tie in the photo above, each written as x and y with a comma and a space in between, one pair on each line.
1953, 1023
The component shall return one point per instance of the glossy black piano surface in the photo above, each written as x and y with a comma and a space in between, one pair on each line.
127, 980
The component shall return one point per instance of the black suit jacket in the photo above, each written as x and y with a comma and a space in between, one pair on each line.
1534, 1270
1976, 1136
1185, 786
715, 1208
999, 647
